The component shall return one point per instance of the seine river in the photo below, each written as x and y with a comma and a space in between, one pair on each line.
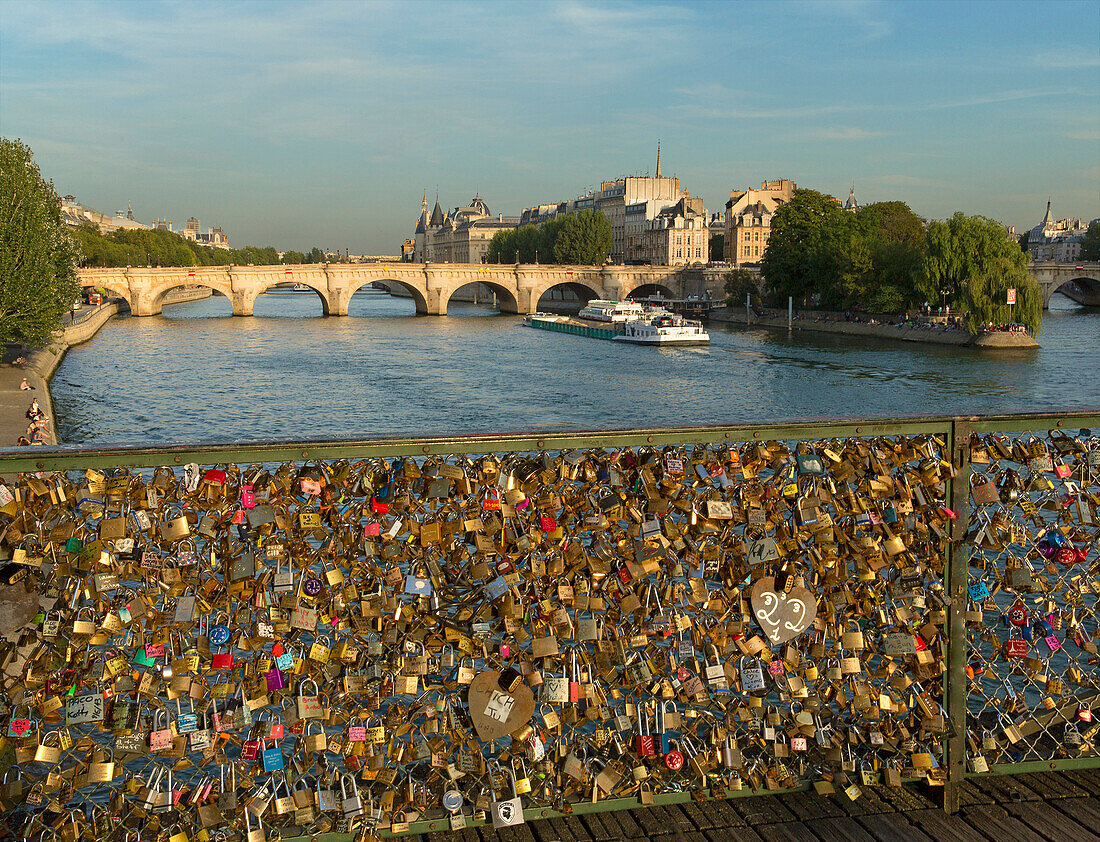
195, 374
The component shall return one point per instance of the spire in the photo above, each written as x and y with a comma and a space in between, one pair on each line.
1048, 219
658, 157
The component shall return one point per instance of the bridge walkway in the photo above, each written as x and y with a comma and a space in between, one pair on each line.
1052, 806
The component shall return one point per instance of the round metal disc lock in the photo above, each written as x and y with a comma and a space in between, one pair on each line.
674, 761
218, 635
1065, 556
1017, 614
452, 800
312, 586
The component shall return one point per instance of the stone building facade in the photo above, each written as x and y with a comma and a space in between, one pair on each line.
1059, 241
749, 220
631, 204
678, 235
459, 237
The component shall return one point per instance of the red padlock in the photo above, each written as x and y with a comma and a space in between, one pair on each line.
1017, 614
674, 760
1016, 647
1066, 556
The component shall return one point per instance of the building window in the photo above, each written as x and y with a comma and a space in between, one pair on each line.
748, 236
698, 252
678, 252
757, 237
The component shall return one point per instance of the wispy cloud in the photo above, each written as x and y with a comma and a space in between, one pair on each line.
843, 133
1067, 57
1083, 134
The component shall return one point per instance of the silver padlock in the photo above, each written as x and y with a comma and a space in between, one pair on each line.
510, 811
353, 804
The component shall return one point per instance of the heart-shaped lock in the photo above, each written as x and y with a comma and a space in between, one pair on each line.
782, 616
494, 712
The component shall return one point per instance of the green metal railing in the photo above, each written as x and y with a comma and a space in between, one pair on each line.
1019, 528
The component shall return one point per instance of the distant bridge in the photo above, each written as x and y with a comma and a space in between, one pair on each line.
1078, 281
518, 288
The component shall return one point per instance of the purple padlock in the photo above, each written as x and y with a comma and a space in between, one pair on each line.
312, 586
274, 679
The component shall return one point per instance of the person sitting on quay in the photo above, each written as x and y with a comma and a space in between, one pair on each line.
37, 433
24, 386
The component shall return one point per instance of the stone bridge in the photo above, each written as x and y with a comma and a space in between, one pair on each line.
431, 285
1078, 281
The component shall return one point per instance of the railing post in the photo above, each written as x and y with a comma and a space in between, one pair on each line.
955, 581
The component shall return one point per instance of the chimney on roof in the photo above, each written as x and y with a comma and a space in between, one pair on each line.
658, 157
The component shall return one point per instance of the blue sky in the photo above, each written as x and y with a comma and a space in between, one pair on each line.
297, 124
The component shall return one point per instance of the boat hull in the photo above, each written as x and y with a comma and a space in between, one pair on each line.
662, 340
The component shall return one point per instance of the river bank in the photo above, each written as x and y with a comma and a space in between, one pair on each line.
936, 336
41, 363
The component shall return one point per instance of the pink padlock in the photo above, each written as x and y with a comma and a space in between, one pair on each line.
274, 678
248, 498
505, 650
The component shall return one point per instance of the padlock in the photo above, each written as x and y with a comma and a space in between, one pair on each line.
352, 803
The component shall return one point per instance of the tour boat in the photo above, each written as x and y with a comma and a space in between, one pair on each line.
663, 329
612, 311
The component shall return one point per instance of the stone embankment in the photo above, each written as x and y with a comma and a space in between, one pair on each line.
935, 336
41, 363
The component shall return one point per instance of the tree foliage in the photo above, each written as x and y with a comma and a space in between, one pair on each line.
807, 253
157, 247
37, 256
972, 262
1090, 244
819, 253
740, 283
717, 247
582, 238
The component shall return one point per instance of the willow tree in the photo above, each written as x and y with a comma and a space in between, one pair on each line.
38, 258
972, 263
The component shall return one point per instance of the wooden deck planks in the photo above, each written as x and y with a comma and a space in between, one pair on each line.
938, 825
1037, 807
892, 827
994, 822
840, 829
1051, 823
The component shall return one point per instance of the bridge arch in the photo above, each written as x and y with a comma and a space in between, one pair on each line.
250, 297
1083, 289
582, 289
507, 302
647, 289
417, 294
115, 289
150, 301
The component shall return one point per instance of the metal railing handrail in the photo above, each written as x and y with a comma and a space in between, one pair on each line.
134, 456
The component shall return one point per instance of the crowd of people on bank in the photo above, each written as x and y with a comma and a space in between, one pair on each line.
38, 428
921, 320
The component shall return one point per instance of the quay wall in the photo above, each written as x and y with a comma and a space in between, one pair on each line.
958, 338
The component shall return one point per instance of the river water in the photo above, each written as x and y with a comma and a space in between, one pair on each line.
196, 373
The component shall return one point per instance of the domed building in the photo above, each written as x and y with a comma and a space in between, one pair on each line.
461, 236
1059, 241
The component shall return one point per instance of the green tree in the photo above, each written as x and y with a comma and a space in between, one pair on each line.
717, 247
895, 240
315, 255
805, 257
38, 257
582, 238
1090, 244
294, 257
971, 263
739, 284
